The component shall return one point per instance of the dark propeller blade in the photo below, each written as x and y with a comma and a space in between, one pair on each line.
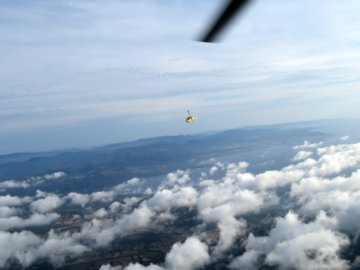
233, 7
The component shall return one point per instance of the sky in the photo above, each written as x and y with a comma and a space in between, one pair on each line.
83, 73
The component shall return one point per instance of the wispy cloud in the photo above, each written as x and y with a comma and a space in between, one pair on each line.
70, 63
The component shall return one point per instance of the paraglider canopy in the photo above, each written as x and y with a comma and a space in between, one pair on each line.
190, 118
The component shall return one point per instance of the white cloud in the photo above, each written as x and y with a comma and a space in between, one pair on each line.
47, 204
14, 184
213, 170
15, 222
167, 198
339, 196
57, 247
26, 248
225, 199
36, 180
6, 211
54, 175
335, 159
110, 267
179, 177
302, 155
189, 255
19, 246
102, 232
129, 203
129, 185
307, 145
77, 198
229, 228
148, 191
344, 138
138, 266
41, 194
277, 178
221, 201
102, 196
114, 207
247, 261
9, 200
291, 242
100, 213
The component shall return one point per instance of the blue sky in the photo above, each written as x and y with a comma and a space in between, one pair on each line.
83, 73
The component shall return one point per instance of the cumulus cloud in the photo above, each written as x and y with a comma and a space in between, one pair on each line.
14, 184
229, 229
188, 255
222, 201
110, 267
26, 247
100, 213
102, 196
291, 242
332, 160
128, 185
54, 175
138, 266
19, 246
41, 194
36, 180
277, 178
336, 159
9, 200
58, 246
108, 196
221, 205
102, 232
344, 138
128, 204
213, 170
114, 207
166, 199
6, 211
319, 192
247, 261
46, 204
307, 144
192, 254
302, 155
328, 183
179, 177
79, 199
15, 222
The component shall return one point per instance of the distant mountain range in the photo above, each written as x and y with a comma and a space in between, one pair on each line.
103, 166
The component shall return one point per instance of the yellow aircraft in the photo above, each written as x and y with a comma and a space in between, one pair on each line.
190, 118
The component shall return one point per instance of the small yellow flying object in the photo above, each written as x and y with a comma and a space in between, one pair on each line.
190, 118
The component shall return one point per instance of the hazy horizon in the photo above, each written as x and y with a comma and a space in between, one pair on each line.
84, 147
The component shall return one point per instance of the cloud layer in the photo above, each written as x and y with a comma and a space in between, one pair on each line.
310, 210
